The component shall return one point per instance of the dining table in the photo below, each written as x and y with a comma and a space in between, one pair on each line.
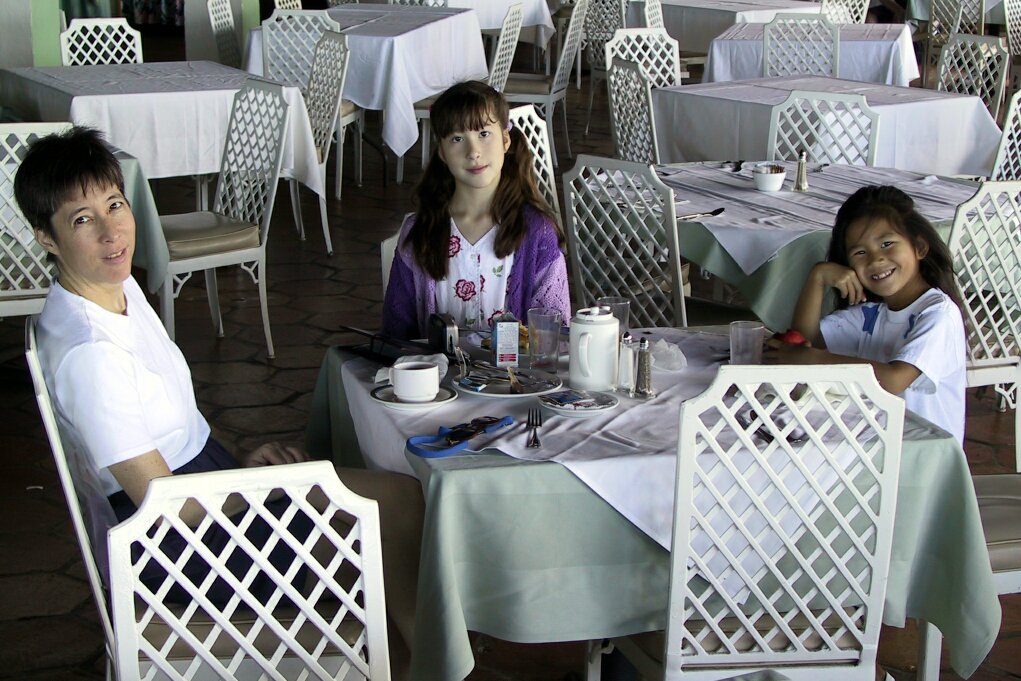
536, 18
171, 116
765, 243
873, 53
399, 55
694, 23
730, 120
530, 548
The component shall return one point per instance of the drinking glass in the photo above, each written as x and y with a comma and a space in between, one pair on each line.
544, 337
620, 308
746, 342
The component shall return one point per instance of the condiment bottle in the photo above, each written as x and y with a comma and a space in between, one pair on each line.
626, 365
801, 180
643, 384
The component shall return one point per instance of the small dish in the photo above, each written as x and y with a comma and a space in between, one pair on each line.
488, 384
579, 403
385, 396
769, 176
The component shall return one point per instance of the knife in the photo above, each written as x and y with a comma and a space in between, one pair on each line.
695, 216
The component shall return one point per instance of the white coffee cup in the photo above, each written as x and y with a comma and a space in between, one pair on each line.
415, 381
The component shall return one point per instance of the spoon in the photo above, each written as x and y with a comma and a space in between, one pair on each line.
695, 216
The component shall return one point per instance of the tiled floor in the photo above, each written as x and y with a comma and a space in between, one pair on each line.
48, 621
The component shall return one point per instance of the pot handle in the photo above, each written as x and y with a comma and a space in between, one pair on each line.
583, 343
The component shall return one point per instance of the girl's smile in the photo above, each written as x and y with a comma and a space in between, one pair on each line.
886, 262
475, 157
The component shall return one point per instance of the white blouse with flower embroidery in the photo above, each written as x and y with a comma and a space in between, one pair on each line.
475, 288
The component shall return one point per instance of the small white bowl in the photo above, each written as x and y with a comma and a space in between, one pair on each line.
766, 181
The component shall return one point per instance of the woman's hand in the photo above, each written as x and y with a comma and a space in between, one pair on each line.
843, 279
274, 453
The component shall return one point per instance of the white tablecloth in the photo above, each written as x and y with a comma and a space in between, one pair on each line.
920, 130
694, 23
535, 15
399, 55
874, 53
171, 116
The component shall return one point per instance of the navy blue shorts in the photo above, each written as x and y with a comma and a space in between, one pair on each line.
214, 457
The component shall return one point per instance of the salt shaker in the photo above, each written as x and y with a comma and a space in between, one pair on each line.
643, 384
626, 365
801, 181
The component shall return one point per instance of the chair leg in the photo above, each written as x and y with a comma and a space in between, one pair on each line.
296, 207
425, 136
326, 225
167, 305
358, 150
567, 130
339, 169
929, 646
264, 303
591, 98
213, 294
400, 169
594, 659
552, 138
577, 66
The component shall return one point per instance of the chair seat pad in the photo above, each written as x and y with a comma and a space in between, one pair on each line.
347, 107
564, 12
423, 106
517, 85
999, 505
193, 235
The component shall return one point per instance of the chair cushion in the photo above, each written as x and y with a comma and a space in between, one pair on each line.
423, 106
192, 235
564, 12
347, 107
517, 85
999, 505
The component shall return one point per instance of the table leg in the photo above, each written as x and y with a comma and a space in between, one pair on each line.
930, 644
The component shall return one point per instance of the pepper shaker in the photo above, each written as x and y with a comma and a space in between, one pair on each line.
626, 365
801, 180
643, 384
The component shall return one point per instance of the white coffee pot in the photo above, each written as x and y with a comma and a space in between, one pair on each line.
594, 340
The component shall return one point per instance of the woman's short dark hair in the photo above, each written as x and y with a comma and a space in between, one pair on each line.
60, 167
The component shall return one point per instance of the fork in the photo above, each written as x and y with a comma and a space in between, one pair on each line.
534, 423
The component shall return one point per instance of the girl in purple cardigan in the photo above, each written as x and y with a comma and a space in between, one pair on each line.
483, 241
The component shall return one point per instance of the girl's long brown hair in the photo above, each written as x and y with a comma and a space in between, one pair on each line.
464, 107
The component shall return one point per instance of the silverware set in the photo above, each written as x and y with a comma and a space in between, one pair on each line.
533, 424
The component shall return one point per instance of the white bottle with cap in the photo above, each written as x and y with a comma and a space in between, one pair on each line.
594, 353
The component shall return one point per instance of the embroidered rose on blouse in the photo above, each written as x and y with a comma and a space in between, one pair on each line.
454, 247
464, 289
482, 283
492, 317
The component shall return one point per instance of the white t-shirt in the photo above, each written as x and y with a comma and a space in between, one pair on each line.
475, 287
928, 334
121, 387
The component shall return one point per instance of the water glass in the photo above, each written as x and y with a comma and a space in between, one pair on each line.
620, 308
544, 337
746, 340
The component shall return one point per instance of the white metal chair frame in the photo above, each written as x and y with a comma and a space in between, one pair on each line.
25, 269
287, 4
800, 44
622, 236
944, 21
100, 41
653, 11
245, 192
543, 93
829, 127
530, 124
631, 117
845, 11
604, 19
221, 19
1007, 165
337, 628
975, 65
653, 49
289, 39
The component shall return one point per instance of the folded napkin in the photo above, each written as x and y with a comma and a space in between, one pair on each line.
439, 359
667, 356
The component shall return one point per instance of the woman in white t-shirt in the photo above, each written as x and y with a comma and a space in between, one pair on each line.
122, 389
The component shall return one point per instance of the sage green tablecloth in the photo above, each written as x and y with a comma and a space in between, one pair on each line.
526, 552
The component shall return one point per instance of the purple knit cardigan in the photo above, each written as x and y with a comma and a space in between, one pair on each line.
538, 278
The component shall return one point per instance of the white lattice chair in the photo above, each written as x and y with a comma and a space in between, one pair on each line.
1012, 33
622, 236
829, 127
944, 20
1007, 165
25, 270
975, 65
631, 119
100, 41
506, 45
800, 44
544, 92
533, 127
985, 242
289, 39
221, 19
658, 54
561, 20
235, 232
785, 497
287, 4
653, 12
845, 11
604, 19
335, 627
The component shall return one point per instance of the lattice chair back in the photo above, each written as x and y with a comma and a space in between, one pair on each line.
1012, 22
973, 17
845, 11
634, 131
221, 18
332, 628
251, 155
25, 271
510, 31
572, 43
829, 127
800, 44
91, 513
530, 124
423, 3
944, 20
289, 39
329, 70
1007, 165
604, 18
652, 48
785, 499
622, 238
975, 65
654, 14
100, 41
287, 4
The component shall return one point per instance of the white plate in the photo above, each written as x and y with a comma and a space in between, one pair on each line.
385, 396
580, 413
502, 388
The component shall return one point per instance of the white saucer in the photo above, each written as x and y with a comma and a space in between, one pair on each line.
608, 402
385, 396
